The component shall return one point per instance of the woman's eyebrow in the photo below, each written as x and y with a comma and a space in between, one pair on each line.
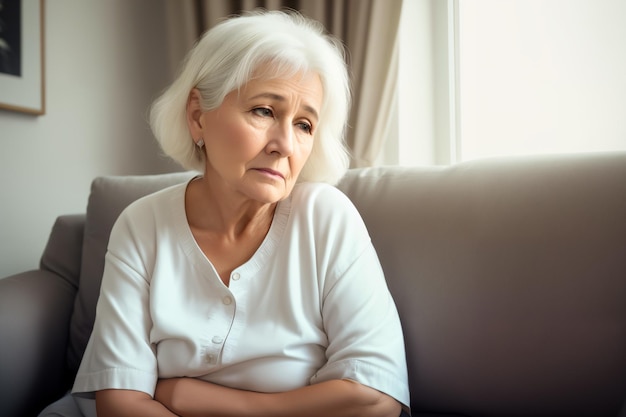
278, 97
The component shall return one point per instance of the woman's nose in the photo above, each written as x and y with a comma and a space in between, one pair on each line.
281, 138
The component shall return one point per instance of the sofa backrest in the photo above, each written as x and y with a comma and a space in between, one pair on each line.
510, 279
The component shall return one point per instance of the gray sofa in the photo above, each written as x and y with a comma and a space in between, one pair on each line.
509, 276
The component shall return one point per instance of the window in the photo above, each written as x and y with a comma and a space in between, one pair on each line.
488, 78
540, 76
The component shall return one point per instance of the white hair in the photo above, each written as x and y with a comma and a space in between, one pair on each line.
227, 56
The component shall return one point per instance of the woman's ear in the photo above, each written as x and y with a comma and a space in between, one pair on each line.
194, 113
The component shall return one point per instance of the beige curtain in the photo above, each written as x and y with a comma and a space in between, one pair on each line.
369, 29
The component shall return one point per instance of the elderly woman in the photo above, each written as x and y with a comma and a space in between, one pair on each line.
253, 289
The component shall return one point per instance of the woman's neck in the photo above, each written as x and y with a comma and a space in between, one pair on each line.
230, 215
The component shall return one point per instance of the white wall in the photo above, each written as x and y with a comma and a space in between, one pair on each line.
105, 62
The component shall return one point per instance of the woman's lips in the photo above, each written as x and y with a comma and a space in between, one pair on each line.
271, 172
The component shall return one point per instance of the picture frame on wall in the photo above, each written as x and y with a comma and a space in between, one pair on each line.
22, 81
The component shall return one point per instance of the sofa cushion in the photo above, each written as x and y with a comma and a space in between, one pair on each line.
109, 196
510, 280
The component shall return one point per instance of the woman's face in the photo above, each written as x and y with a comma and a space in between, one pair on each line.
260, 137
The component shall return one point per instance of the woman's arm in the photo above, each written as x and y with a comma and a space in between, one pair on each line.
121, 403
189, 397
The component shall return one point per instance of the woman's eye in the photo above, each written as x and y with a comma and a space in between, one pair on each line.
307, 128
263, 111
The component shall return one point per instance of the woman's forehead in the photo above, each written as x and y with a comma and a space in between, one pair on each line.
307, 86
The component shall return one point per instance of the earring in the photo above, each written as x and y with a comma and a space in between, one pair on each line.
200, 143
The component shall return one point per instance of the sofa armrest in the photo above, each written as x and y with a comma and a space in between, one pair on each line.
35, 309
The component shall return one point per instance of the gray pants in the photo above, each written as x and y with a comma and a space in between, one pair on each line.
69, 406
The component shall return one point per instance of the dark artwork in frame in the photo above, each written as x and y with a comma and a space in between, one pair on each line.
11, 37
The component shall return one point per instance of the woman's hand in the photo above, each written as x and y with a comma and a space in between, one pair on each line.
190, 397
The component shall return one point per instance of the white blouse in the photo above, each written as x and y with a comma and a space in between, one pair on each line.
311, 304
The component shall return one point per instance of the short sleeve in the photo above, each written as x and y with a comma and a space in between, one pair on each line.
119, 353
363, 328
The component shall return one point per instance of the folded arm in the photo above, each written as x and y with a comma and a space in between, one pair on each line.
128, 403
189, 397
